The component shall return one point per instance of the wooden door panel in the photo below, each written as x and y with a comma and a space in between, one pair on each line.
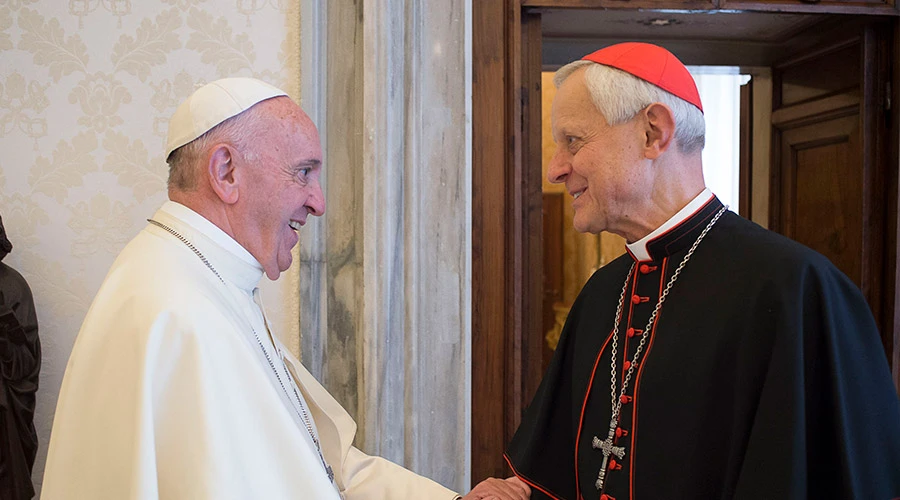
822, 175
834, 163
810, 79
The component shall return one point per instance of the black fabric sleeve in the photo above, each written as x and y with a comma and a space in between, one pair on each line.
542, 452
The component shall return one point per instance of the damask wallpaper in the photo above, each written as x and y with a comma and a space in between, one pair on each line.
86, 89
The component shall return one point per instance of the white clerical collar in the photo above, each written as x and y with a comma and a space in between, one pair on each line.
233, 262
639, 248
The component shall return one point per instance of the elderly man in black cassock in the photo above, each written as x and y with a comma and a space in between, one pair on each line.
716, 359
20, 365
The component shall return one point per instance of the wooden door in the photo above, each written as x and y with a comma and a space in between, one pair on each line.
832, 175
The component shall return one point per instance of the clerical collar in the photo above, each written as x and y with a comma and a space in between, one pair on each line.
229, 258
679, 232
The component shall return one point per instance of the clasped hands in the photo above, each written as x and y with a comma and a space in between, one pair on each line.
500, 489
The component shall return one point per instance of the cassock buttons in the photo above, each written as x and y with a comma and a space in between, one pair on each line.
613, 465
625, 399
620, 432
645, 269
637, 299
626, 365
606, 497
631, 332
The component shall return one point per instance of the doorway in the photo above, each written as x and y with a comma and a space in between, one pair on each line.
513, 41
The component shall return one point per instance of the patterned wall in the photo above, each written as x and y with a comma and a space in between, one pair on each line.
86, 89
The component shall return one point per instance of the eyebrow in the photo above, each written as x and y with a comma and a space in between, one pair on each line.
309, 163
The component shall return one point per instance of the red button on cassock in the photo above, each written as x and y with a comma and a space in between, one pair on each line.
625, 399
620, 432
606, 497
626, 365
645, 269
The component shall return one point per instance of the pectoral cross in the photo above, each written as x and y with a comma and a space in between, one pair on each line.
608, 449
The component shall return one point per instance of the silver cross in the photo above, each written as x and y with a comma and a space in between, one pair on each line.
608, 449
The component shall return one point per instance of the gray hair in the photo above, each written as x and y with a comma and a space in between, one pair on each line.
620, 96
239, 131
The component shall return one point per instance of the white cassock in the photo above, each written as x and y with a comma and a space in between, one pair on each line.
168, 392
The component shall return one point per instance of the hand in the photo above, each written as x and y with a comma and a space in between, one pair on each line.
500, 489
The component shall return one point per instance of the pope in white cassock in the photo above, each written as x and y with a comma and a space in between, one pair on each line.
176, 387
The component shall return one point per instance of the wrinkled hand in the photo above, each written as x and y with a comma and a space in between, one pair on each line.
500, 489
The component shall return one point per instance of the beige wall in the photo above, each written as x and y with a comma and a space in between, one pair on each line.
86, 88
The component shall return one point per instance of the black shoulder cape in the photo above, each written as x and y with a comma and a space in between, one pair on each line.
764, 377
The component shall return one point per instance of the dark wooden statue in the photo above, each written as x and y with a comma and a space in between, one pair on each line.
20, 364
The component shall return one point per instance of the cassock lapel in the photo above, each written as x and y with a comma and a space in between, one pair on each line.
336, 427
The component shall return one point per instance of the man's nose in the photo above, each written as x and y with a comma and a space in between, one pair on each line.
558, 169
316, 202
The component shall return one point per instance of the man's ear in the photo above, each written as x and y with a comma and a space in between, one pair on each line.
220, 171
660, 130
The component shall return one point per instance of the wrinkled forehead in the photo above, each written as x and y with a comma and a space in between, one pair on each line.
282, 116
302, 137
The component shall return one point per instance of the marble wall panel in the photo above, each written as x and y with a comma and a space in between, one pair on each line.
386, 275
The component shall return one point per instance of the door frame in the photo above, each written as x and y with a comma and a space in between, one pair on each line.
506, 225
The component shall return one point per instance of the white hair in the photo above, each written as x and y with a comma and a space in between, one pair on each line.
239, 130
620, 96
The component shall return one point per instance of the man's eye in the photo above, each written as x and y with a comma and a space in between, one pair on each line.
304, 172
570, 140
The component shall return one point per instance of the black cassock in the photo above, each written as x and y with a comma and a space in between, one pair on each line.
764, 377
20, 363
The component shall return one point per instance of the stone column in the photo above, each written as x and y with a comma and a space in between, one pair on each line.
386, 274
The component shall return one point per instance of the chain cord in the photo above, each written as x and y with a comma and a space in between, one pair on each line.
617, 401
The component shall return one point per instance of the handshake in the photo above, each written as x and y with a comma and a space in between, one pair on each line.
500, 489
